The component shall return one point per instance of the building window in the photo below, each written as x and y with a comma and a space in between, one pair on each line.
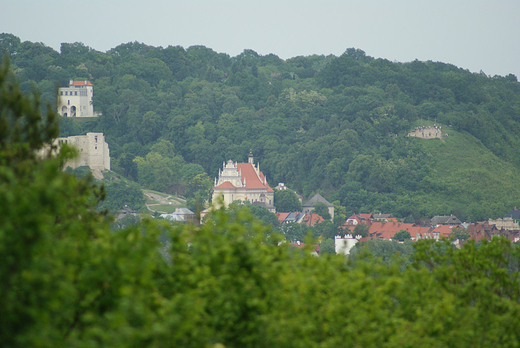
95, 138
68, 102
75, 93
61, 93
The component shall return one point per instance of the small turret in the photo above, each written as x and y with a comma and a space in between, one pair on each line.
250, 158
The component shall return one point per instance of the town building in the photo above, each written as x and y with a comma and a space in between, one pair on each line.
183, 215
343, 244
358, 218
76, 100
244, 182
308, 207
92, 148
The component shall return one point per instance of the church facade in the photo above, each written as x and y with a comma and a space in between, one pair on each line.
245, 182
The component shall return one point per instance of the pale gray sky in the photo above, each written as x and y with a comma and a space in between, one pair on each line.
471, 34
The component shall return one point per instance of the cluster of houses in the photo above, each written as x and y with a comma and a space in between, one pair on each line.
307, 215
382, 226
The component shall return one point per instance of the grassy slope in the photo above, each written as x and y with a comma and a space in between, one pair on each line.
469, 172
162, 202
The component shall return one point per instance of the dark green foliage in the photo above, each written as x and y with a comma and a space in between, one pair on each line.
385, 250
460, 233
262, 214
327, 247
120, 193
326, 229
286, 201
337, 125
361, 230
322, 210
294, 232
401, 236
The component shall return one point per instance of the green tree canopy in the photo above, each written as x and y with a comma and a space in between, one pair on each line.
322, 210
401, 235
327, 247
361, 230
286, 201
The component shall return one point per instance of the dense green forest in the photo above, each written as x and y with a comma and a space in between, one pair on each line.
334, 125
68, 280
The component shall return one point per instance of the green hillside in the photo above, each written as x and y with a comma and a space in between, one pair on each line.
470, 180
327, 124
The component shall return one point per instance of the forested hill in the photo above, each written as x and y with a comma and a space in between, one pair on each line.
334, 125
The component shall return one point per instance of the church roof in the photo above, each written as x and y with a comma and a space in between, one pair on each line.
251, 179
315, 199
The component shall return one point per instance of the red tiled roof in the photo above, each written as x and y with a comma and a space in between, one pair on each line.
225, 185
81, 83
282, 216
386, 230
443, 230
311, 219
251, 179
366, 216
353, 217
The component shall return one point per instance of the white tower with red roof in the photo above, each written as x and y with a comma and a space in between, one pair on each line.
76, 100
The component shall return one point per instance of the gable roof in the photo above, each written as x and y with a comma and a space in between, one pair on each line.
183, 211
311, 219
514, 214
445, 219
443, 230
360, 217
225, 185
315, 199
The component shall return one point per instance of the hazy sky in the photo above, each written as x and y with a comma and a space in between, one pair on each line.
473, 34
